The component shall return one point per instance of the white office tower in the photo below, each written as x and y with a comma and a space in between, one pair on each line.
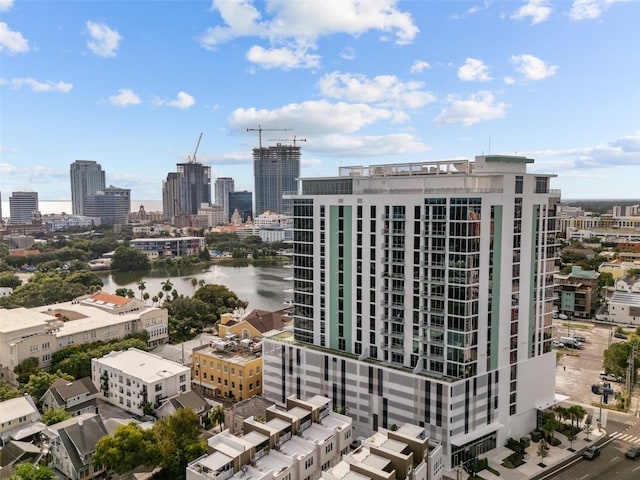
423, 294
23, 208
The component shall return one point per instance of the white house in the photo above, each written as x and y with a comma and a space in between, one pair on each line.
19, 419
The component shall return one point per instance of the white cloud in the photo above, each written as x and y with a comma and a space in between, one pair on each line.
313, 118
419, 65
12, 42
292, 28
6, 5
7, 168
509, 80
538, 10
383, 90
474, 70
37, 86
478, 107
348, 54
485, 5
284, 58
532, 67
183, 101
621, 152
589, 9
353, 146
125, 98
104, 41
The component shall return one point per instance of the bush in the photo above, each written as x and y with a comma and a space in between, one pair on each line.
515, 445
554, 442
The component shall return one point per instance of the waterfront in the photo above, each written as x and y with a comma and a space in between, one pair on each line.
265, 288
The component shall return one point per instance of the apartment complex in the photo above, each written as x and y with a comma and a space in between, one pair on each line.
23, 208
434, 278
41, 331
87, 178
276, 170
133, 378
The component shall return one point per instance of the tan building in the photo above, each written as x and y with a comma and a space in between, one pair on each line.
253, 325
41, 331
576, 294
227, 368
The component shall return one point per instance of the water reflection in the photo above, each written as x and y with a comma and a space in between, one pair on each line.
263, 287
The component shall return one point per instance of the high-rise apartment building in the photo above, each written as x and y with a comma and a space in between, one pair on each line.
112, 205
224, 185
23, 208
185, 190
423, 293
276, 171
87, 178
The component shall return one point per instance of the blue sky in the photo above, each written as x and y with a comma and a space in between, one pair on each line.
133, 84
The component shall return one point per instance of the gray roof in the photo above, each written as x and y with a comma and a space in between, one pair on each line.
64, 390
80, 440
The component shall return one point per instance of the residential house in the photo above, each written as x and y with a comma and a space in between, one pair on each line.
72, 444
77, 397
19, 419
191, 400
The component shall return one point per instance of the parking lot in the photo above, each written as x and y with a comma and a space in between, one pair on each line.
578, 369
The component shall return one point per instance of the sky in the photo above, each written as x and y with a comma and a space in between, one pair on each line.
133, 84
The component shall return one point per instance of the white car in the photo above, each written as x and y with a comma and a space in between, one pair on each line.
556, 344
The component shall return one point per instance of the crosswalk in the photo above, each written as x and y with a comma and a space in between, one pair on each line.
625, 437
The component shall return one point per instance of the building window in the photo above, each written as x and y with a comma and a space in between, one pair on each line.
158, 387
183, 377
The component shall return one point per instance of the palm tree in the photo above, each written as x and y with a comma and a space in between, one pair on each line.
201, 283
167, 286
141, 286
217, 416
194, 283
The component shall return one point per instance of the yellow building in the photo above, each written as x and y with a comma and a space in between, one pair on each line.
231, 369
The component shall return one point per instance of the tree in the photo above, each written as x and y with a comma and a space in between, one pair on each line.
26, 368
194, 283
216, 415
54, 415
606, 279
178, 440
128, 447
167, 286
129, 259
7, 392
577, 413
8, 279
40, 382
616, 358
121, 292
543, 451
29, 471
142, 286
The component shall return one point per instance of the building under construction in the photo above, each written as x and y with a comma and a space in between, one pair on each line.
276, 170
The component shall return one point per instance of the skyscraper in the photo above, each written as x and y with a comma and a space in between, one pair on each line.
87, 178
224, 186
186, 189
112, 205
276, 170
242, 202
23, 208
423, 293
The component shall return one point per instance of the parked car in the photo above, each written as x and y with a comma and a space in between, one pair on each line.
609, 377
556, 344
597, 389
633, 452
580, 338
592, 452
620, 335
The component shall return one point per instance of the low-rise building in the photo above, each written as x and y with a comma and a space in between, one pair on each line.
135, 380
576, 294
41, 331
168, 247
624, 304
72, 444
76, 397
618, 268
228, 368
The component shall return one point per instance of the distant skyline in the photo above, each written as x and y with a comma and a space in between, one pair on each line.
131, 85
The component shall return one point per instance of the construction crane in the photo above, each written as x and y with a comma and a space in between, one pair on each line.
260, 130
294, 140
192, 158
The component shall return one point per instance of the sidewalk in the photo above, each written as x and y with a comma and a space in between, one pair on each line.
531, 469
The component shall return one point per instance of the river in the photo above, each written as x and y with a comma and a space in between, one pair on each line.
265, 288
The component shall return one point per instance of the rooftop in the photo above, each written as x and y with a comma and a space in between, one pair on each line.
148, 367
